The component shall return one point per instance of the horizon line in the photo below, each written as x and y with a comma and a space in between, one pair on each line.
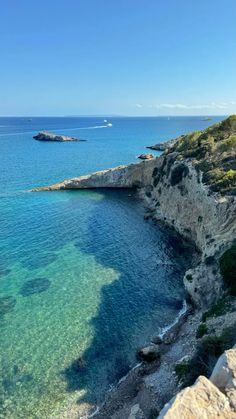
112, 116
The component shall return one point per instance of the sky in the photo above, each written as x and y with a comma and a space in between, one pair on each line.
117, 57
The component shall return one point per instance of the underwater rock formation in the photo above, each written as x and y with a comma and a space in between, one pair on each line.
34, 286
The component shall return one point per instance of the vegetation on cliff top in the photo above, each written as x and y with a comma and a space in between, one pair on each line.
213, 152
228, 268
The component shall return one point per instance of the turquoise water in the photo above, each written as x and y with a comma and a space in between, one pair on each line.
84, 280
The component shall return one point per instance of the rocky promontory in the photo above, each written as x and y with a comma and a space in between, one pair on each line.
191, 188
164, 145
48, 136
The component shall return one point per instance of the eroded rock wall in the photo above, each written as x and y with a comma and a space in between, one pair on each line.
175, 194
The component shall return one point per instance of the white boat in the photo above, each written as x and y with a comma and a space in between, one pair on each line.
105, 120
109, 125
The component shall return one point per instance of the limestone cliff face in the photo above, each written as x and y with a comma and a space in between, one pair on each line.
174, 193
177, 196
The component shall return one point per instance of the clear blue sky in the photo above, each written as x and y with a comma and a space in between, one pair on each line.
130, 57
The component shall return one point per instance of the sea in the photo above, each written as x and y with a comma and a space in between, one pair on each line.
84, 279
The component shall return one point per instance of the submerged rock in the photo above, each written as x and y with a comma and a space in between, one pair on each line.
6, 305
34, 286
157, 340
78, 365
149, 353
47, 136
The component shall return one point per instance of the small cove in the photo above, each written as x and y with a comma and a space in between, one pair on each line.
88, 277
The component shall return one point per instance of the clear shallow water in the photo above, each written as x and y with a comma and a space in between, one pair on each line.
102, 279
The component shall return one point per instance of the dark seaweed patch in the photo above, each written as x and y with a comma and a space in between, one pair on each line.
34, 286
6, 304
4, 272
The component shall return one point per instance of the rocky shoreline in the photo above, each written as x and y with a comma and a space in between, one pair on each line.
131, 389
191, 187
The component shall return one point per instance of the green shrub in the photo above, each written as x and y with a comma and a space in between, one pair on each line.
153, 414
216, 345
181, 369
222, 306
227, 180
205, 166
201, 331
209, 260
227, 145
208, 351
155, 172
178, 173
189, 277
213, 176
228, 269
155, 181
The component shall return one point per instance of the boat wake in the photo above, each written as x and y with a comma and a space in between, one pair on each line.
55, 130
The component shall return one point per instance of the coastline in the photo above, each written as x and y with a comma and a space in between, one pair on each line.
179, 189
125, 388
120, 396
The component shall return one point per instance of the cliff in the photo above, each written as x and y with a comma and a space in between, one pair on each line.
130, 176
191, 187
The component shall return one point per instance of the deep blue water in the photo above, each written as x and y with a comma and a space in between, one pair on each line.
82, 275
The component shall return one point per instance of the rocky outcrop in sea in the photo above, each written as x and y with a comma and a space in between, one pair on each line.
48, 136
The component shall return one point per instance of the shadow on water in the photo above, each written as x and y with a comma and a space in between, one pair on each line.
147, 295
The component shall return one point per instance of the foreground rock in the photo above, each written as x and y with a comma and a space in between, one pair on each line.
149, 353
203, 400
224, 375
224, 372
145, 156
47, 136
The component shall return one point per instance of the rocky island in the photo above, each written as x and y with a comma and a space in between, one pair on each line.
191, 188
48, 136
145, 156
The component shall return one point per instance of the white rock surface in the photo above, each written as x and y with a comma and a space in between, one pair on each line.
224, 372
203, 400
136, 412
